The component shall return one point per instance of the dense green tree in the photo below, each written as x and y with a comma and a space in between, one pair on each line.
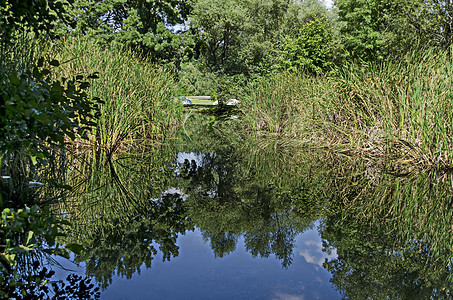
38, 16
431, 21
156, 27
311, 48
221, 25
303, 11
377, 29
237, 35
367, 31
241, 40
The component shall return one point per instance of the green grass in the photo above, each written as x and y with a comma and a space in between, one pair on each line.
393, 112
278, 105
137, 95
402, 110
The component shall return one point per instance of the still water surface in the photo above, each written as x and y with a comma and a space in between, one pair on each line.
210, 217
197, 274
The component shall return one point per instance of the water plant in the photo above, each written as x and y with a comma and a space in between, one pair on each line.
400, 109
137, 95
397, 111
285, 105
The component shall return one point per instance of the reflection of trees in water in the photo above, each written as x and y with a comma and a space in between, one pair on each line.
120, 214
30, 235
122, 248
30, 279
222, 195
227, 198
393, 235
393, 240
280, 242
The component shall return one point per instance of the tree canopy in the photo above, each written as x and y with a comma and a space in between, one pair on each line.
156, 27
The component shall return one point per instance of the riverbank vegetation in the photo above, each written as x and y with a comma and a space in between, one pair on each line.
364, 78
137, 96
84, 83
391, 112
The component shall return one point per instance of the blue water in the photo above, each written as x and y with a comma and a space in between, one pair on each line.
197, 274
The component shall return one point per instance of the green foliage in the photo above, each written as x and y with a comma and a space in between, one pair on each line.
366, 33
403, 105
430, 20
194, 81
310, 49
37, 110
221, 25
286, 105
37, 16
30, 229
238, 36
35, 283
138, 24
243, 40
304, 11
34, 109
399, 111
137, 95
375, 30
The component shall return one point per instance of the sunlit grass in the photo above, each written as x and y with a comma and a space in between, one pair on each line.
402, 110
137, 95
399, 112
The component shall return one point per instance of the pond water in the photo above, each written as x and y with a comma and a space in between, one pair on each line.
214, 216
197, 274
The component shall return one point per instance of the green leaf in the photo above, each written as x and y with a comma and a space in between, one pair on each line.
33, 160
10, 259
14, 79
29, 237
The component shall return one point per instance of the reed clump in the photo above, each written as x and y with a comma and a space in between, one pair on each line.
401, 111
285, 105
137, 95
395, 112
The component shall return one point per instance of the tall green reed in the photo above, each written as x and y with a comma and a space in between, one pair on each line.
400, 109
137, 95
285, 105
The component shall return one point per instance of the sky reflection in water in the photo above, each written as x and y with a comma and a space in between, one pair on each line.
197, 274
